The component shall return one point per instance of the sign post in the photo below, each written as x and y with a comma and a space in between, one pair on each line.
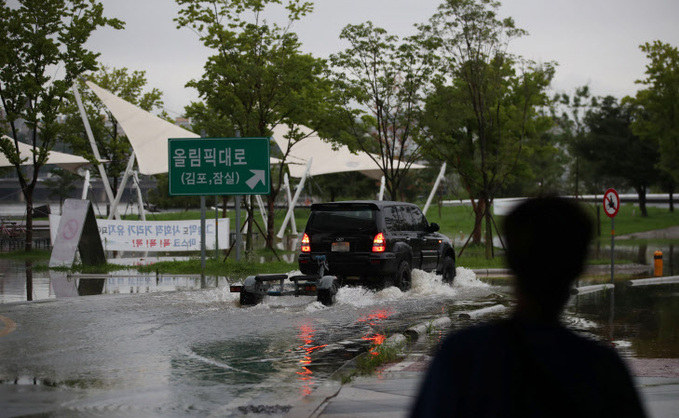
217, 167
611, 207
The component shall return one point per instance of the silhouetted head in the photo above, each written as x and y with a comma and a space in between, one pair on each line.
547, 239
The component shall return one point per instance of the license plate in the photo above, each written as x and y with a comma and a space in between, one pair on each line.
340, 247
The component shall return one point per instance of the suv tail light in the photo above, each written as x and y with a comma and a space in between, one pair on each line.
379, 245
306, 244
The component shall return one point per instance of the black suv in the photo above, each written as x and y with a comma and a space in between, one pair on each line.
374, 243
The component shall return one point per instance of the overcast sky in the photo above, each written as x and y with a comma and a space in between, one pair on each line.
594, 42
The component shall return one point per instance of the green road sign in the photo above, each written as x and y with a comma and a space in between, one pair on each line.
218, 166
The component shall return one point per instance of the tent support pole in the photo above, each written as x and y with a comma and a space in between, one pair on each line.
121, 188
435, 188
262, 208
291, 209
95, 150
86, 184
293, 223
140, 198
382, 186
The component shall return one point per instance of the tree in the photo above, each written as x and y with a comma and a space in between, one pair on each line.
543, 165
258, 77
616, 153
569, 114
61, 184
656, 110
111, 141
350, 184
42, 53
380, 83
485, 107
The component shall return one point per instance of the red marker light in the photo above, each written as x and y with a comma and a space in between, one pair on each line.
379, 244
306, 244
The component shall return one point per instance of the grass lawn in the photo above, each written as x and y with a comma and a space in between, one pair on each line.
455, 221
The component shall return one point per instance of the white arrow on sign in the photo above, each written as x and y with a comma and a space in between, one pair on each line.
256, 178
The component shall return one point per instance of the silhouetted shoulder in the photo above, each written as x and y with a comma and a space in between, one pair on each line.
510, 368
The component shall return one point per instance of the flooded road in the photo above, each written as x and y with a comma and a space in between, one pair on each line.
198, 353
193, 351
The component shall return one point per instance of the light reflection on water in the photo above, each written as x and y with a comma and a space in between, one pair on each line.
307, 334
375, 335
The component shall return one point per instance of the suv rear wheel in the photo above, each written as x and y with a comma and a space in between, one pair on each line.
403, 276
327, 296
448, 270
249, 299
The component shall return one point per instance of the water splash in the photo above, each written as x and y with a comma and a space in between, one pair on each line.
423, 285
467, 278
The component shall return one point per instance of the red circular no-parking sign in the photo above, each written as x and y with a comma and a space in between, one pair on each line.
70, 230
611, 203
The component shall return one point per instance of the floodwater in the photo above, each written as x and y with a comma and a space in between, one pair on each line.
641, 321
182, 347
197, 352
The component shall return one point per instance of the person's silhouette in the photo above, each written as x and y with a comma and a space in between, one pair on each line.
530, 365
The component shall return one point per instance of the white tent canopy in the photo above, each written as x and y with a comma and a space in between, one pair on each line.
147, 133
66, 161
326, 159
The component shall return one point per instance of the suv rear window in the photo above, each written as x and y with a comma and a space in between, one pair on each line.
341, 220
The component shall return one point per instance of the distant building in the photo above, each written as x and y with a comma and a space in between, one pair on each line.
183, 122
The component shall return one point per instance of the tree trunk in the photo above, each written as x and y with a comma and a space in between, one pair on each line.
29, 219
270, 225
29, 280
479, 211
672, 200
489, 232
641, 192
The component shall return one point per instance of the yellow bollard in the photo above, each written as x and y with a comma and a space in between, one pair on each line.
657, 263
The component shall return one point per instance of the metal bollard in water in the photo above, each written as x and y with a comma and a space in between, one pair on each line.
657, 263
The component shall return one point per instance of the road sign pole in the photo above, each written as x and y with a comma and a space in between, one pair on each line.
612, 250
216, 227
611, 208
239, 237
202, 236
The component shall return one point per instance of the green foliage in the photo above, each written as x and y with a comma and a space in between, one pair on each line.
160, 196
657, 111
568, 113
380, 82
42, 52
229, 268
377, 356
61, 184
33, 255
258, 77
629, 220
343, 186
486, 107
618, 157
